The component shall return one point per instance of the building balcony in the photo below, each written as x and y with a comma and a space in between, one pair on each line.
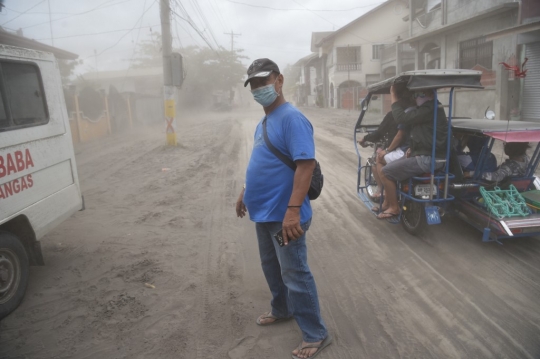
356, 66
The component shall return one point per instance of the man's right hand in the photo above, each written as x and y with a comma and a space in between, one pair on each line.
240, 206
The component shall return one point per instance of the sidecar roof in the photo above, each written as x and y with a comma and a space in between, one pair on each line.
430, 79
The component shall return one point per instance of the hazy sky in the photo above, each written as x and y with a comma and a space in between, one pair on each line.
278, 29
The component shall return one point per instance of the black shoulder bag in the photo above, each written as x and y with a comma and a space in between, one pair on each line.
317, 179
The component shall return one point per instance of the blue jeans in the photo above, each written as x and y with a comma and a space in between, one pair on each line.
292, 285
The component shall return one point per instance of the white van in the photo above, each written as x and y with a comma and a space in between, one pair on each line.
39, 187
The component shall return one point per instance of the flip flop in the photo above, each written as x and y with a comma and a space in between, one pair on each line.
326, 342
376, 209
269, 315
386, 215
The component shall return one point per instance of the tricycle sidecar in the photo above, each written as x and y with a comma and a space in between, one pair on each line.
470, 204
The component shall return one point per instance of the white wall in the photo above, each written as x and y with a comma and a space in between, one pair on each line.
382, 26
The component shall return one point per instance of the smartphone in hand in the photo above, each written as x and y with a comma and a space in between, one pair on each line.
279, 238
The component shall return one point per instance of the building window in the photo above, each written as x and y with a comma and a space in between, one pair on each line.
348, 58
376, 52
22, 99
476, 52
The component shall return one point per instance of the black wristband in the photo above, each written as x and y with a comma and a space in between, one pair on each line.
294, 206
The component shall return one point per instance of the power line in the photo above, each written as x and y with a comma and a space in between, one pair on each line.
190, 21
304, 9
135, 47
186, 30
99, 33
205, 20
54, 13
217, 14
133, 28
101, 6
195, 28
24, 12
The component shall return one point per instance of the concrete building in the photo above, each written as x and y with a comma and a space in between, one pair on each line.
349, 58
480, 35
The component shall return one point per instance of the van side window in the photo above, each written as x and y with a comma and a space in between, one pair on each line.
22, 89
4, 121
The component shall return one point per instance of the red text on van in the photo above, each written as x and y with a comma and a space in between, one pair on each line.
15, 162
17, 185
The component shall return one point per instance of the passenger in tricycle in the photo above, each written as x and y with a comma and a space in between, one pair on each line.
418, 159
469, 160
397, 134
514, 166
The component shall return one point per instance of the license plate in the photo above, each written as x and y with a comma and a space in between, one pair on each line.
423, 190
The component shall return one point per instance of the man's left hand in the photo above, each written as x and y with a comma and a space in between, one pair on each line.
291, 225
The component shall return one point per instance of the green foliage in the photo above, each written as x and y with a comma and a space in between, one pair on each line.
206, 70
66, 68
148, 53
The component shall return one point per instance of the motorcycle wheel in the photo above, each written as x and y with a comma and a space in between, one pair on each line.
413, 217
371, 184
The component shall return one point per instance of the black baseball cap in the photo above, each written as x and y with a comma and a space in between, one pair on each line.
261, 68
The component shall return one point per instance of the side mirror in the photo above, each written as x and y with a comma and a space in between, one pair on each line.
363, 104
490, 115
374, 97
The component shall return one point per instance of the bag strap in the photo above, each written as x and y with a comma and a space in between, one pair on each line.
275, 151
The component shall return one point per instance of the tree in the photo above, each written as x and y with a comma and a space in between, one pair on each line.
66, 68
206, 70
148, 53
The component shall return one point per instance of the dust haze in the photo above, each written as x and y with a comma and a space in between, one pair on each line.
159, 266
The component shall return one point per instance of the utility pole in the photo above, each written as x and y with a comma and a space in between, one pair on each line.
169, 91
232, 38
50, 23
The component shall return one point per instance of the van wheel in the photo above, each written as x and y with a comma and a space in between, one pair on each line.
413, 217
14, 272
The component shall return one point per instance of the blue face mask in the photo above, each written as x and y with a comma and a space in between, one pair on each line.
265, 95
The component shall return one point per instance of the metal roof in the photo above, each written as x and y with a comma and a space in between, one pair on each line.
7, 38
485, 125
430, 79
507, 131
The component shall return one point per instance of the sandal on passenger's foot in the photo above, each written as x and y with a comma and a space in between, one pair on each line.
269, 315
326, 342
386, 215
376, 209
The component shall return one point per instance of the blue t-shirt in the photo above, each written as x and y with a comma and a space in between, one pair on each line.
269, 182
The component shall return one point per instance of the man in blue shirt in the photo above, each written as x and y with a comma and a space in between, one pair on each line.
276, 199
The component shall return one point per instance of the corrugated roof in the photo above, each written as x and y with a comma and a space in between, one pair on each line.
8, 38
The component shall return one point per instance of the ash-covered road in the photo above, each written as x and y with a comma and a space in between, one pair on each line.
383, 292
